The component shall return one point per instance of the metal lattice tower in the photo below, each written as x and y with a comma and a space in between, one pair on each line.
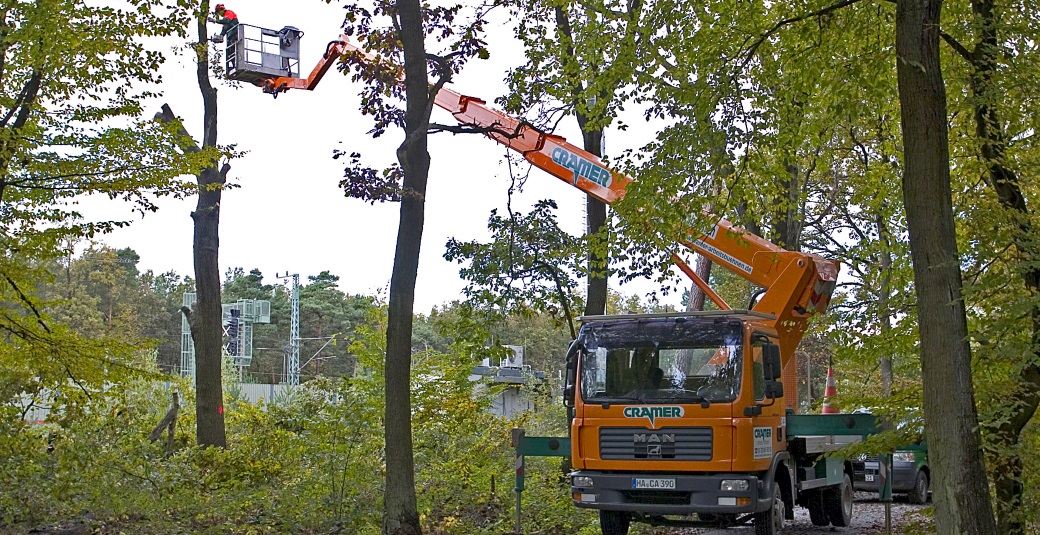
187, 345
292, 356
239, 334
239, 346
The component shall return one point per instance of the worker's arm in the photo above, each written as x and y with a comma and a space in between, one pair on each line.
228, 24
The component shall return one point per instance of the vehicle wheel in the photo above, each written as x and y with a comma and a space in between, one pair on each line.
817, 512
771, 521
920, 492
614, 522
837, 501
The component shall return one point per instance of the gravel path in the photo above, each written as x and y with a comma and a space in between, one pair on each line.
868, 518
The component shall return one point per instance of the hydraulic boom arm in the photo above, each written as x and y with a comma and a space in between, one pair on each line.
797, 285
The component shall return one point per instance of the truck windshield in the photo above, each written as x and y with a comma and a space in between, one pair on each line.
691, 360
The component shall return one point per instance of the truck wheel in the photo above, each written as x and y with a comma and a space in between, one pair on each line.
920, 492
771, 521
817, 512
837, 501
613, 522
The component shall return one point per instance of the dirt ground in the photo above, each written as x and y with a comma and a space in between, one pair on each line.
868, 518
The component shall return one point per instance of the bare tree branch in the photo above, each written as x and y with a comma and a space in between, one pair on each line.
28, 303
15, 105
753, 47
68, 371
958, 48
26, 100
25, 183
187, 143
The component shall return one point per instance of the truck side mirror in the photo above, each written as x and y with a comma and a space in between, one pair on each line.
774, 389
570, 375
771, 360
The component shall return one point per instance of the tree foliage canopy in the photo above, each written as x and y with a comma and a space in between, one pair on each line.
74, 77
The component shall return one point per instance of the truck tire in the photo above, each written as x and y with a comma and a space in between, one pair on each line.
771, 521
817, 511
837, 501
614, 522
919, 494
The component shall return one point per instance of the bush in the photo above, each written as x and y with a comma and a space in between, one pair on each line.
310, 463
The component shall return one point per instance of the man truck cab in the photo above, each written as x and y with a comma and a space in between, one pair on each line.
676, 414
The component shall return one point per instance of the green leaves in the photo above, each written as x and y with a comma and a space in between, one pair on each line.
73, 79
530, 266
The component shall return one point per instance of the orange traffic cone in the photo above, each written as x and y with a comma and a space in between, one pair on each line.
830, 393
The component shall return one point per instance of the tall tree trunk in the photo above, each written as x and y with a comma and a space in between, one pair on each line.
746, 220
595, 210
595, 221
787, 223
702, 267
1022, 403
206, 327
951, 423
205, 319
400, 513
695, 303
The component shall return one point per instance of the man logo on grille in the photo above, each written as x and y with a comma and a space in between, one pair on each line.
654, 445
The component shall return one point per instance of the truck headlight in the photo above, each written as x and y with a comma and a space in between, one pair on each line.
903, 457
581, 481
732, 485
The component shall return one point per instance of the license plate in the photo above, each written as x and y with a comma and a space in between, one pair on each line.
648, 483
869, 477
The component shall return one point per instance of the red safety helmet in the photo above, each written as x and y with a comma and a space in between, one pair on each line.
220, 7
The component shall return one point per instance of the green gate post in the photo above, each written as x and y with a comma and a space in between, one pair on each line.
534, 447
885, 487
518, 434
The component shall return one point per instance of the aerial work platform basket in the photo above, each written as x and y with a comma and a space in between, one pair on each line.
255, 54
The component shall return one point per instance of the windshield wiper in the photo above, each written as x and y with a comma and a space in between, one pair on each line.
695, 398
666, 396
605, 402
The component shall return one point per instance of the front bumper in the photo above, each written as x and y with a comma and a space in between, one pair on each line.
690, 494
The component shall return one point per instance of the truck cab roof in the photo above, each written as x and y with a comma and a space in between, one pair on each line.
744, 315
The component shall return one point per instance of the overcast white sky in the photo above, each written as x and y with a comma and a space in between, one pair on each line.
289, 215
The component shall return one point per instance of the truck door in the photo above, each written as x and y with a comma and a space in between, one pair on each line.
768, 429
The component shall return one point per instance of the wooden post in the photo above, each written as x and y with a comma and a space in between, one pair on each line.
168, 422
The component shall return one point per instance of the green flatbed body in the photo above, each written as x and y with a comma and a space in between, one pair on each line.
803, 425
810, 436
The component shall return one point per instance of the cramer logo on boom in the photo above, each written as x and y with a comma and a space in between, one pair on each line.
652, 413
582, 167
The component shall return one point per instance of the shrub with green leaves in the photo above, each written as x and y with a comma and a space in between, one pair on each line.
309, 462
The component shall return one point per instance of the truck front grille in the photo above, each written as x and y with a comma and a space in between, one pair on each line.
667, 443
